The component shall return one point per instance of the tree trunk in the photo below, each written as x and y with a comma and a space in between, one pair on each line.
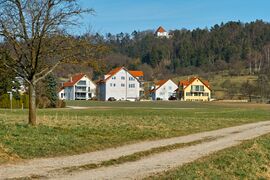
32, 105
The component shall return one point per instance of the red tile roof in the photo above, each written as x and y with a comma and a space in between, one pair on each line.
116, 70
186, 83
136, 73
160, 29
74, 79
111, 73
159, 84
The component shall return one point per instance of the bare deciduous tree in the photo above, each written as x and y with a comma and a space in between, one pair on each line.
33, 42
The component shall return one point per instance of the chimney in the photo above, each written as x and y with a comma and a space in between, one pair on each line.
71, 79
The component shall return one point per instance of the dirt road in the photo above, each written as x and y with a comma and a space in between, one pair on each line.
141, 168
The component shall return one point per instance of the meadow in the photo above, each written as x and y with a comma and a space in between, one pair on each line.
109, 124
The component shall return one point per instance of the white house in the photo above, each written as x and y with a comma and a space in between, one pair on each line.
163, 90
161, 32
79, 87
61, 94
22, 88
120, 84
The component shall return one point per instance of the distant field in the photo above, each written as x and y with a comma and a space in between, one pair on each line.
110, 124
250, 160
163, 104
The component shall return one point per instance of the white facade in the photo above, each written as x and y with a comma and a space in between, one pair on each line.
163, 34
78, 89
22, 88
61, 94
121, 85
164, 91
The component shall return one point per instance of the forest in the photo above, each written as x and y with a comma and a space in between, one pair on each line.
234, 46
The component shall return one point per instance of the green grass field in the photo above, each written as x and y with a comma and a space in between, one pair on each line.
103, 125
250, 160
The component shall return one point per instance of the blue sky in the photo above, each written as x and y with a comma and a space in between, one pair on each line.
117, 16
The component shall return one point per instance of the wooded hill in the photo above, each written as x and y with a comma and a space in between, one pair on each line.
241, 48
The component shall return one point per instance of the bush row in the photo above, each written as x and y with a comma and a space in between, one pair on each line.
23, 102
20, 102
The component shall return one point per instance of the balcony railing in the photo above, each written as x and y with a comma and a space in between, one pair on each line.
199, 91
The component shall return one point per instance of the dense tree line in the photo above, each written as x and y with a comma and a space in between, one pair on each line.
234, 46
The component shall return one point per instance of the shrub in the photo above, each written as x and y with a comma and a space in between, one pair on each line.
60, 104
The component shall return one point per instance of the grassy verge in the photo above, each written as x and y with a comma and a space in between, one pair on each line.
250, 160
65, 132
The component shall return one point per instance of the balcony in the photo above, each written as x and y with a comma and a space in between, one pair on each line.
80, 96
197, 89
80, 89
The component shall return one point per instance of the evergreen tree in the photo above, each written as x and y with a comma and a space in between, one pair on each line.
51, 89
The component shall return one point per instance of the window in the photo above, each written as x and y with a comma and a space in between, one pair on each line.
131, 78
80, 88
188, 94
201, 88
122, 85
123, 78
197, 88
131, 85
112, 84
170, 87
114, 77
81, 83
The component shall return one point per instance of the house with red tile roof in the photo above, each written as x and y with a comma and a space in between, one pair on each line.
79, 87
194, 89
121, 84
163, 90
161, 32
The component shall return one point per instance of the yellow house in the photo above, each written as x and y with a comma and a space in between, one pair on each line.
194, 89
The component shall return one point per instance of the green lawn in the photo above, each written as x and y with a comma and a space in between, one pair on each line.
66, 131
250, 160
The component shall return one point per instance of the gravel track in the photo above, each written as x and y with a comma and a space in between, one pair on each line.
135, 170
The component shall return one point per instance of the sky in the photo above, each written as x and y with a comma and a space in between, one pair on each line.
117, 16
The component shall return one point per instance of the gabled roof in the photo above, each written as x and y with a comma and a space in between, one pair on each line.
186, 83
160, 29
74, 79
136, 73
60, 89
159, 84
